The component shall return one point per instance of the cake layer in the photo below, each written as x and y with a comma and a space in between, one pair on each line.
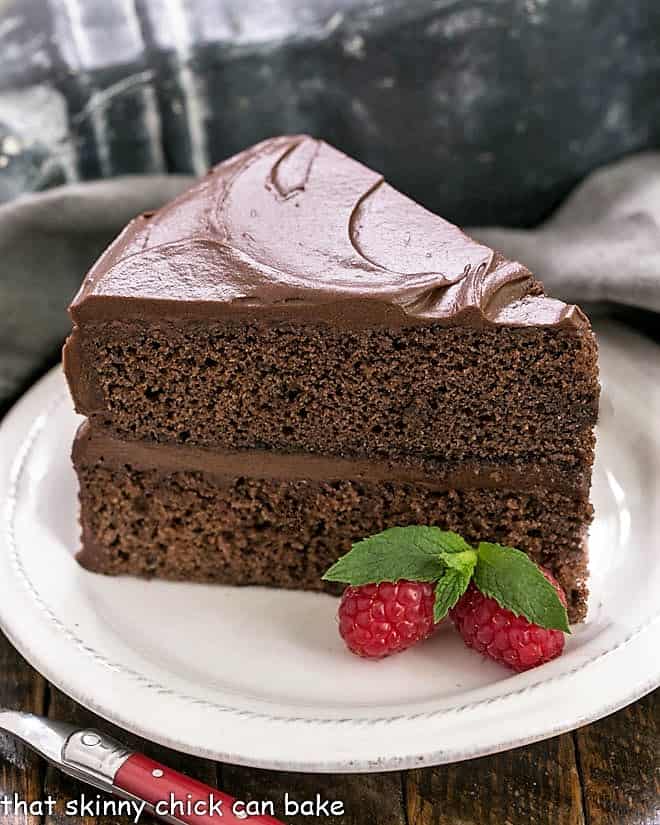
180, 514
292, 300
503, 395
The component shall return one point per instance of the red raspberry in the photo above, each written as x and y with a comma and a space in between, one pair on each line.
509, 639
376, 620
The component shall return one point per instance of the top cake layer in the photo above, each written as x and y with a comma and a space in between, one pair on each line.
294, 229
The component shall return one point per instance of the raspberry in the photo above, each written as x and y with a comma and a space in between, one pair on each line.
501, 635
376, 620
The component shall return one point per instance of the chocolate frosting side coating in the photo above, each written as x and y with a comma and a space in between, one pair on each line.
294, 229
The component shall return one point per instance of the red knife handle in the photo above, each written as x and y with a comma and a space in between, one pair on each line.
178, 797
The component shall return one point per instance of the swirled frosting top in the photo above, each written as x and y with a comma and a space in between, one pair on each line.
293, 228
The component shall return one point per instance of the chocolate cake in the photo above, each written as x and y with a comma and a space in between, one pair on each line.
293, 355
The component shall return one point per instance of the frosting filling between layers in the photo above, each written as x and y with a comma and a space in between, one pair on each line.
92, 447
192, 519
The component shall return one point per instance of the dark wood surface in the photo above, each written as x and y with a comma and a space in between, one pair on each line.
607, 773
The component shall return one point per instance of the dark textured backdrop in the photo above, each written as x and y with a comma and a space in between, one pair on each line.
488, 111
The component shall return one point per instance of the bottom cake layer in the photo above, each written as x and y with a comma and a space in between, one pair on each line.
186, 524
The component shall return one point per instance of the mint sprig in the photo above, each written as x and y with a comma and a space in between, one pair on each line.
429, 554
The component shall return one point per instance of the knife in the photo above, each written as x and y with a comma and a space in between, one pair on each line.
99, 760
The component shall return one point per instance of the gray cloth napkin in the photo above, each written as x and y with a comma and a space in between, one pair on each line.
602, 245
47, 243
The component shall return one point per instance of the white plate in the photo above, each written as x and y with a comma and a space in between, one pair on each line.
259, 677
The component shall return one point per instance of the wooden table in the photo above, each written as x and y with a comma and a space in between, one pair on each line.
607, 773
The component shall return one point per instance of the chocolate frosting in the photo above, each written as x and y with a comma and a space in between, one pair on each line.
294, 229
94, 447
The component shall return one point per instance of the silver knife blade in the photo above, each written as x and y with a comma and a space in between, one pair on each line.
43, 735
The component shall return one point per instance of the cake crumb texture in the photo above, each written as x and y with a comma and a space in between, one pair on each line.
186, 526
456, 394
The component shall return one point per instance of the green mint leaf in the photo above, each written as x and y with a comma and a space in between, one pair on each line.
411, 553
516, 583
455, 581
448, 542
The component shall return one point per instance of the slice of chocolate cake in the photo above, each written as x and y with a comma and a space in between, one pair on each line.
293, 355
